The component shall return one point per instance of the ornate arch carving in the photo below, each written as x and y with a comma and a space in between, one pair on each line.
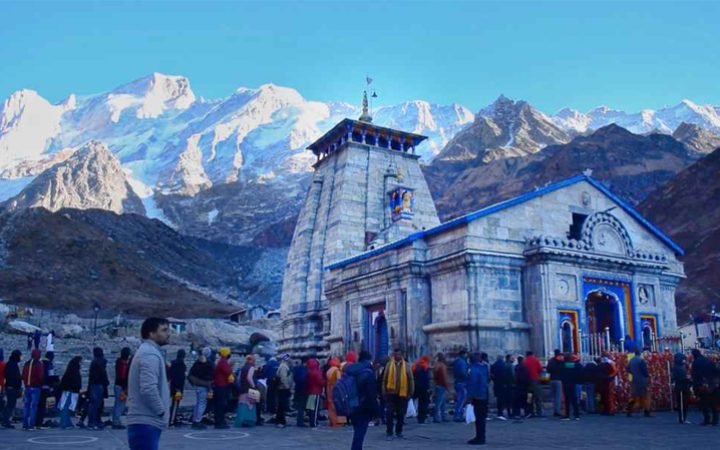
603, 232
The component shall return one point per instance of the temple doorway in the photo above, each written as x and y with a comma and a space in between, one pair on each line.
376, 331
603, 311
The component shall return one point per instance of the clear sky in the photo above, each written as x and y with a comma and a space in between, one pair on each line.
625, 54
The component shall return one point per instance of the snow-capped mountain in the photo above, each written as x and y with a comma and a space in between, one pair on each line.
664, 120
439, 122
91, 178
173, 142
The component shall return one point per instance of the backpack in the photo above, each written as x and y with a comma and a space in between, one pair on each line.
346, 396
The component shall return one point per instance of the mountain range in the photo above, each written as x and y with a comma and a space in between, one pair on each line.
234, 171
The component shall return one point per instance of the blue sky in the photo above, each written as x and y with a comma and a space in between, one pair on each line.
625, 54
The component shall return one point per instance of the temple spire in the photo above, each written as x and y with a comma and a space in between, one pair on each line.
365, 116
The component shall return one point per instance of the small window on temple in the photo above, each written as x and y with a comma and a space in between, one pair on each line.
576, 227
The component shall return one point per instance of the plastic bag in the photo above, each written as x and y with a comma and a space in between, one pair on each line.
411, 409
469, 414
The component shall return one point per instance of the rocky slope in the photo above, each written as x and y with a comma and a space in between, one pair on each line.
505, 129
92, 178
629, 164
697, 138
71, 258
688, 209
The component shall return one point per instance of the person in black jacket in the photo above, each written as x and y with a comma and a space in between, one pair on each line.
572, 376
367, 388
177, 384
554, 369
705, 386
201, 376
497, 375
421, 373
300, 376
97, 389
70, 385
591, 375
522, 385
13, 387
681, 388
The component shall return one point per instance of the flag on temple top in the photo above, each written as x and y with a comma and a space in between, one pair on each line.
369, 80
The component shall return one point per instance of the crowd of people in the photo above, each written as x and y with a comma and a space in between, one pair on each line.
353, 390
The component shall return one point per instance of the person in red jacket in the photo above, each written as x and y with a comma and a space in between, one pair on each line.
33, 375
222, 379
314, 389
534, 368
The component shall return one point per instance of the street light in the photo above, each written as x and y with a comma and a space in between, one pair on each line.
96, 308
714, 325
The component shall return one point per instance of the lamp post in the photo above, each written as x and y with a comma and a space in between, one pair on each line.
96, 308
714, 325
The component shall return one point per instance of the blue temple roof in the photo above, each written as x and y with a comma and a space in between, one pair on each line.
462, 220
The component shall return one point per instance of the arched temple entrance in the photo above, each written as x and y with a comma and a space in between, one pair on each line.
604, 310
376, 331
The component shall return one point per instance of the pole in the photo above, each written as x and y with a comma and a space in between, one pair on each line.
607, 338
682, 342
670, 384
95, 326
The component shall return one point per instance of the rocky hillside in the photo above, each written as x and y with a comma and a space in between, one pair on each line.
504, 129
631, 165
688, 209
697, 138
91, 178
128, 263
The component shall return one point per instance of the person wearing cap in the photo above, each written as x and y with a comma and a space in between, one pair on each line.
284, 387
222, 379
201, 376
32, 375
333, 376
245, 380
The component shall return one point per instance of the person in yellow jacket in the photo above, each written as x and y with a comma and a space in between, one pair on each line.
398, 386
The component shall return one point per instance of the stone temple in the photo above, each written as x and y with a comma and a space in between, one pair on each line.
371, 266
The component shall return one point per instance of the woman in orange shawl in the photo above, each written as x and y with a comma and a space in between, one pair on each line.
333, 375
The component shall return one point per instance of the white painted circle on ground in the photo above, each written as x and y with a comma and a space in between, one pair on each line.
216, 435
62, 440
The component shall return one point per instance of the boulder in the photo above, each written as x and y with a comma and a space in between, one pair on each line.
21, 327
219, 332
69, 331
72, 319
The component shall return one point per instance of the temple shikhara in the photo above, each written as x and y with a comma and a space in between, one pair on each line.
371, 266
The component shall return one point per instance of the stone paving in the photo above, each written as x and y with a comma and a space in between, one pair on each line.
591, 432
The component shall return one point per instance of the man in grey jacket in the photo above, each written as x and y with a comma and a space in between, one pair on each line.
148, 391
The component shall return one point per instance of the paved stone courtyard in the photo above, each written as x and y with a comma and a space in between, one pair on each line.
591, 432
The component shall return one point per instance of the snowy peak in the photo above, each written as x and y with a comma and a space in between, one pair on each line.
91, 178
27, 123
151, 96
439, 122
664, 120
